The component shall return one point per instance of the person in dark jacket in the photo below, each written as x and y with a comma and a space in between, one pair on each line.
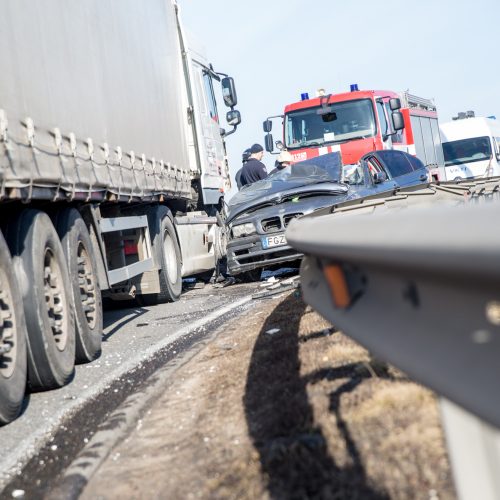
244, 159
253, 170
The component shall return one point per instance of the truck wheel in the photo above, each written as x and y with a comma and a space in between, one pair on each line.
85, 291
13, 367
167, 256
46, 292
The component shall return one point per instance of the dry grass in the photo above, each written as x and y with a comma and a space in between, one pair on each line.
302, 413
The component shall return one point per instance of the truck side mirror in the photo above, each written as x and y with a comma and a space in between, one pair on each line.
229, 92
395, 103
267, 126
268, 140
233, 117
398, 122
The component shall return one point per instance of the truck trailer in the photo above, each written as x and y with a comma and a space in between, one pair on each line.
113, 171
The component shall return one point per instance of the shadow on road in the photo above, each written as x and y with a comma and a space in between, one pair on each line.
293, 451
120, 317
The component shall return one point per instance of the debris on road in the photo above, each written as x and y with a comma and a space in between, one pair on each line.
272, 331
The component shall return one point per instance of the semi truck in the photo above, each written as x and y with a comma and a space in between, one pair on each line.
471, 148
113, 171
357, 122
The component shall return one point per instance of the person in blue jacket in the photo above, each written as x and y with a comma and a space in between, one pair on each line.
253, 170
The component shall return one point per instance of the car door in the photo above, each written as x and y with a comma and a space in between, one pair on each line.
404, 169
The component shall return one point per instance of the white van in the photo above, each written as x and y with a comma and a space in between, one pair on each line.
471, 148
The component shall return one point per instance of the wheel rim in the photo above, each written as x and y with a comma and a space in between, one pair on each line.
8, 340
86, 285
55, 300
171, 257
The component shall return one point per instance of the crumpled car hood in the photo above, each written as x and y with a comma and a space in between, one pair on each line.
319, 176
274, 198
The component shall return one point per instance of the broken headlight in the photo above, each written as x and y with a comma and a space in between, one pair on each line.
243, 230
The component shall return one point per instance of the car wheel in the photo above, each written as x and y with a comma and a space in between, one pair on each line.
250, 276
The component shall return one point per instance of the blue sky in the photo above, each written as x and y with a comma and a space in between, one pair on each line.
441, 49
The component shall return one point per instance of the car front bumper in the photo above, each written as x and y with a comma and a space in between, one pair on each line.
247, 253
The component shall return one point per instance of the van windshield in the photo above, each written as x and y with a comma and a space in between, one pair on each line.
347, 120
466, 151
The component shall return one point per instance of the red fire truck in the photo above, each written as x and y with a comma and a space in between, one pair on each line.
357, 122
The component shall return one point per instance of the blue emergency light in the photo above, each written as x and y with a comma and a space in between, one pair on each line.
304, 96
354, 87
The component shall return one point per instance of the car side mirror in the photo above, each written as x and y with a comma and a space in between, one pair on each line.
267, 126
229, 92
268, 140
233, 117
379, 177
398, 122
395, 103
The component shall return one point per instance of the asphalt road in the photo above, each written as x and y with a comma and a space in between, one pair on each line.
137, 342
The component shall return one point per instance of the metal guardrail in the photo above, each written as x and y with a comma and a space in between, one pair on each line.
420, 288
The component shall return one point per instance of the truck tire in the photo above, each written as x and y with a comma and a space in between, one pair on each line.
46, 294
167, 256
13, 365
85, 292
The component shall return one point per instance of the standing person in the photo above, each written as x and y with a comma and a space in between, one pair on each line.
244, 159
254, 170
284, 160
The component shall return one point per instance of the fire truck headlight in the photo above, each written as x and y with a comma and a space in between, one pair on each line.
243, 230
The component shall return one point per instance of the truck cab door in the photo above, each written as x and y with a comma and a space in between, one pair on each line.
214, 175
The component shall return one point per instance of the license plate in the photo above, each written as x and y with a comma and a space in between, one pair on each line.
277, 240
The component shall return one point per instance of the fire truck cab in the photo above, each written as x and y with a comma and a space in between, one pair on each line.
357, 122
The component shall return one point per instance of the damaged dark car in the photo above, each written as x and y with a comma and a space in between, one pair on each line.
259, 214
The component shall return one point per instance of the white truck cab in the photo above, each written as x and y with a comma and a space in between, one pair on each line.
471, 148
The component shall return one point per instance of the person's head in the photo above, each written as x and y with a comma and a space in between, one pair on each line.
284, 160
257, 152
246, 154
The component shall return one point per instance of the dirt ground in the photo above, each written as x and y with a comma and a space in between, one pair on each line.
302, 412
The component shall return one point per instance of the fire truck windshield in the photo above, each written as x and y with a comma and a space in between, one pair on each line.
347, 121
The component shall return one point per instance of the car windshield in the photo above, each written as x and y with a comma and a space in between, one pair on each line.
346, 121
326, 168
466, 150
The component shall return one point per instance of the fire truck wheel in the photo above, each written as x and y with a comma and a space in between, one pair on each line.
86, 295
46, 291
13, 365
